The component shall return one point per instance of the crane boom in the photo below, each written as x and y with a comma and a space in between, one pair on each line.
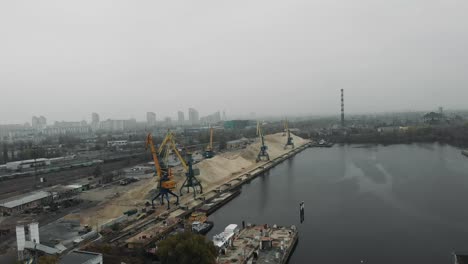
165, 141
174, 148
150, 143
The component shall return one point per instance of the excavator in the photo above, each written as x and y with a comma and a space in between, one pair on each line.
289, 141
263, 154
209, 153
166, 184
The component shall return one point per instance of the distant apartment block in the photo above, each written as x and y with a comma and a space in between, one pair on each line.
65, 127
180, 117
95, 121
167, 121
151, 119
38, 122
15, 130
118, 125
211, 119
193, 116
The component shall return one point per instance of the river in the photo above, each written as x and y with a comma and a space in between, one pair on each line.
363, 204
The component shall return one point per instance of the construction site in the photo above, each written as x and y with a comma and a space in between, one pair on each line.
136, 212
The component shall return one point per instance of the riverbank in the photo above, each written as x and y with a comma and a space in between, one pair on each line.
361, 202
216, 174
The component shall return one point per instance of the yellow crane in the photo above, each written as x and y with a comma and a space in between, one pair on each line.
190, 180
166, 184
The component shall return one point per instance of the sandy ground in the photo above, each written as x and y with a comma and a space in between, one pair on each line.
213, 172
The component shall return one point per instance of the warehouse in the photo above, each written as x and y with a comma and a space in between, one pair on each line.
23, 202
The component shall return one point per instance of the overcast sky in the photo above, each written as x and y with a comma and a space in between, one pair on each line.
66, 59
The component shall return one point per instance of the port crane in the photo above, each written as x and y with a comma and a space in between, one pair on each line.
209, 153
289, 141
164, 149
284, 127
166, 184
190, 180
263, 154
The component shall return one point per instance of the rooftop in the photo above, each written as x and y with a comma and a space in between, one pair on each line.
79, 257
24, 199
282, 238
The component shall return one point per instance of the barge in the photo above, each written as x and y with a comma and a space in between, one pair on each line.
257, 244
219, 201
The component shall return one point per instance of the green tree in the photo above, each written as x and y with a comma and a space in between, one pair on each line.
185, 248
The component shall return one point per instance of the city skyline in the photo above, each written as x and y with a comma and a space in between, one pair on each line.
282, 62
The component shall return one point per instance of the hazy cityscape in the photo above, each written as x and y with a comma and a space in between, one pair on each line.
255, 132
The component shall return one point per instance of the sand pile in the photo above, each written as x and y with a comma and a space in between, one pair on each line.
213, 172
225, 166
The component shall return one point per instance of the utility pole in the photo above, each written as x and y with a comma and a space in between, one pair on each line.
342, 109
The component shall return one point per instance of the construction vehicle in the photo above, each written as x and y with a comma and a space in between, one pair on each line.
289, 141
209, 153
263, 154
166, 184
190, 180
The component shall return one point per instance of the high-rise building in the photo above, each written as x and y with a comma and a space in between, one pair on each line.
151, 119
193, 116
180, 117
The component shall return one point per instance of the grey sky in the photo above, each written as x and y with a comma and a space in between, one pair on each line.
66, 59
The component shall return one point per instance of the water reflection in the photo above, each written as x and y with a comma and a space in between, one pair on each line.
264, 190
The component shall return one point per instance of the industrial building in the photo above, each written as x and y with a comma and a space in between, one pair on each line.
82, 257
20, 203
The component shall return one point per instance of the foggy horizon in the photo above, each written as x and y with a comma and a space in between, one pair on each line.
274, 58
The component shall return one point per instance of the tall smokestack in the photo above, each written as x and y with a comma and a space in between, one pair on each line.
342, 108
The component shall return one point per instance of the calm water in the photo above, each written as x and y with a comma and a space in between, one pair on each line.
393, 204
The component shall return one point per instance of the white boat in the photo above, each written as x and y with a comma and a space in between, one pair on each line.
224, 239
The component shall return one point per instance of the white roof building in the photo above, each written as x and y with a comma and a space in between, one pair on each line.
24, 201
